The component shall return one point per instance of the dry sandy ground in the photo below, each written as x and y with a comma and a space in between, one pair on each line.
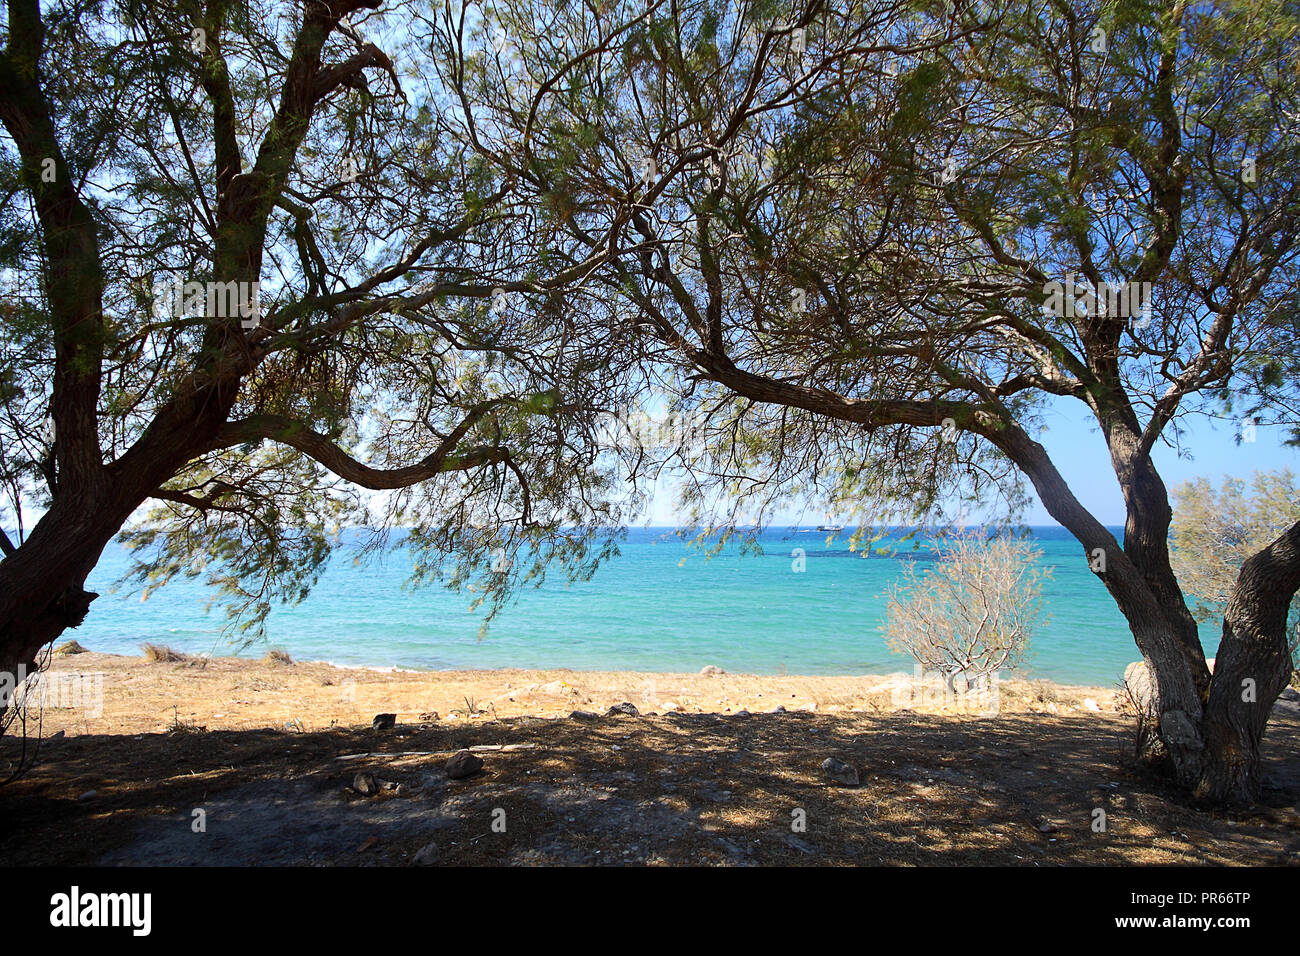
239, 694
266, 756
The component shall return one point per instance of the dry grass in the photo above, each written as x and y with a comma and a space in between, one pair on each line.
162, 654
277, 656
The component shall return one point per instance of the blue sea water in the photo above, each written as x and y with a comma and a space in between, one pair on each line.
646, 610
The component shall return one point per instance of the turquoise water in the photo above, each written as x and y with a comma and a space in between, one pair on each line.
643, 611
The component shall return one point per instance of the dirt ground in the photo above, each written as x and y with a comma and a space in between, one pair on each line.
238, 762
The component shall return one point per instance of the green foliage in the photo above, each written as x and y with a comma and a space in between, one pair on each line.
1216, 529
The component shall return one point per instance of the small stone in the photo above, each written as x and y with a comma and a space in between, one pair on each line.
384, 721
365, 784
463, 764
799, 845
841, 772
88, 795
623, 708
709, 670
670, 706
778, 709
583, 715
427, 855
1047, 826
742, 713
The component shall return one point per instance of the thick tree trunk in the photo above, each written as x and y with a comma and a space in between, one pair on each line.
1251, 668
42, 584
1159, 630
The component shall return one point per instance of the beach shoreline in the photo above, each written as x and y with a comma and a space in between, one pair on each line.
97, 693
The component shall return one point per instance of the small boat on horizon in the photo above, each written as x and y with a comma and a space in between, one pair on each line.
830, 525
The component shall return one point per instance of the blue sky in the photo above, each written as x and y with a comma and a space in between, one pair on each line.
1072, 438
1209, 450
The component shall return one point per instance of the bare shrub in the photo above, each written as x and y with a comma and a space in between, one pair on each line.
277, 656
971, 614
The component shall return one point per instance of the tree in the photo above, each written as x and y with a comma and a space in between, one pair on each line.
940, 220
974, 612
1215, 531
259, 265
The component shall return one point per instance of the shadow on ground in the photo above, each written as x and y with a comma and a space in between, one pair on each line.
1026, 789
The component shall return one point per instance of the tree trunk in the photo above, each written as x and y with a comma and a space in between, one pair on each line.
1252, 667
42, 584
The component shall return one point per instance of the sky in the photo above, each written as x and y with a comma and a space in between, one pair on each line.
1210, 450
1072, 438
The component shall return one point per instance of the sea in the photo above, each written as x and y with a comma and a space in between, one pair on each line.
805, 605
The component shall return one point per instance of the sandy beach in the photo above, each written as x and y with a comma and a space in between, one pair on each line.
282, 764
90, 693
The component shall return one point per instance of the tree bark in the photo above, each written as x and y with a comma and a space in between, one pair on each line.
1251, 668
42, 584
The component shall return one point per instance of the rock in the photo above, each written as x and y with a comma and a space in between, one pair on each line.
1048, 827
841, 772
88, 795
427, 855
670, 706
384, 721
365, 784
800, 845
623, 708
778, 709
583, 715
742, 713
1141, 688
463, 764
429, 716
708, 670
